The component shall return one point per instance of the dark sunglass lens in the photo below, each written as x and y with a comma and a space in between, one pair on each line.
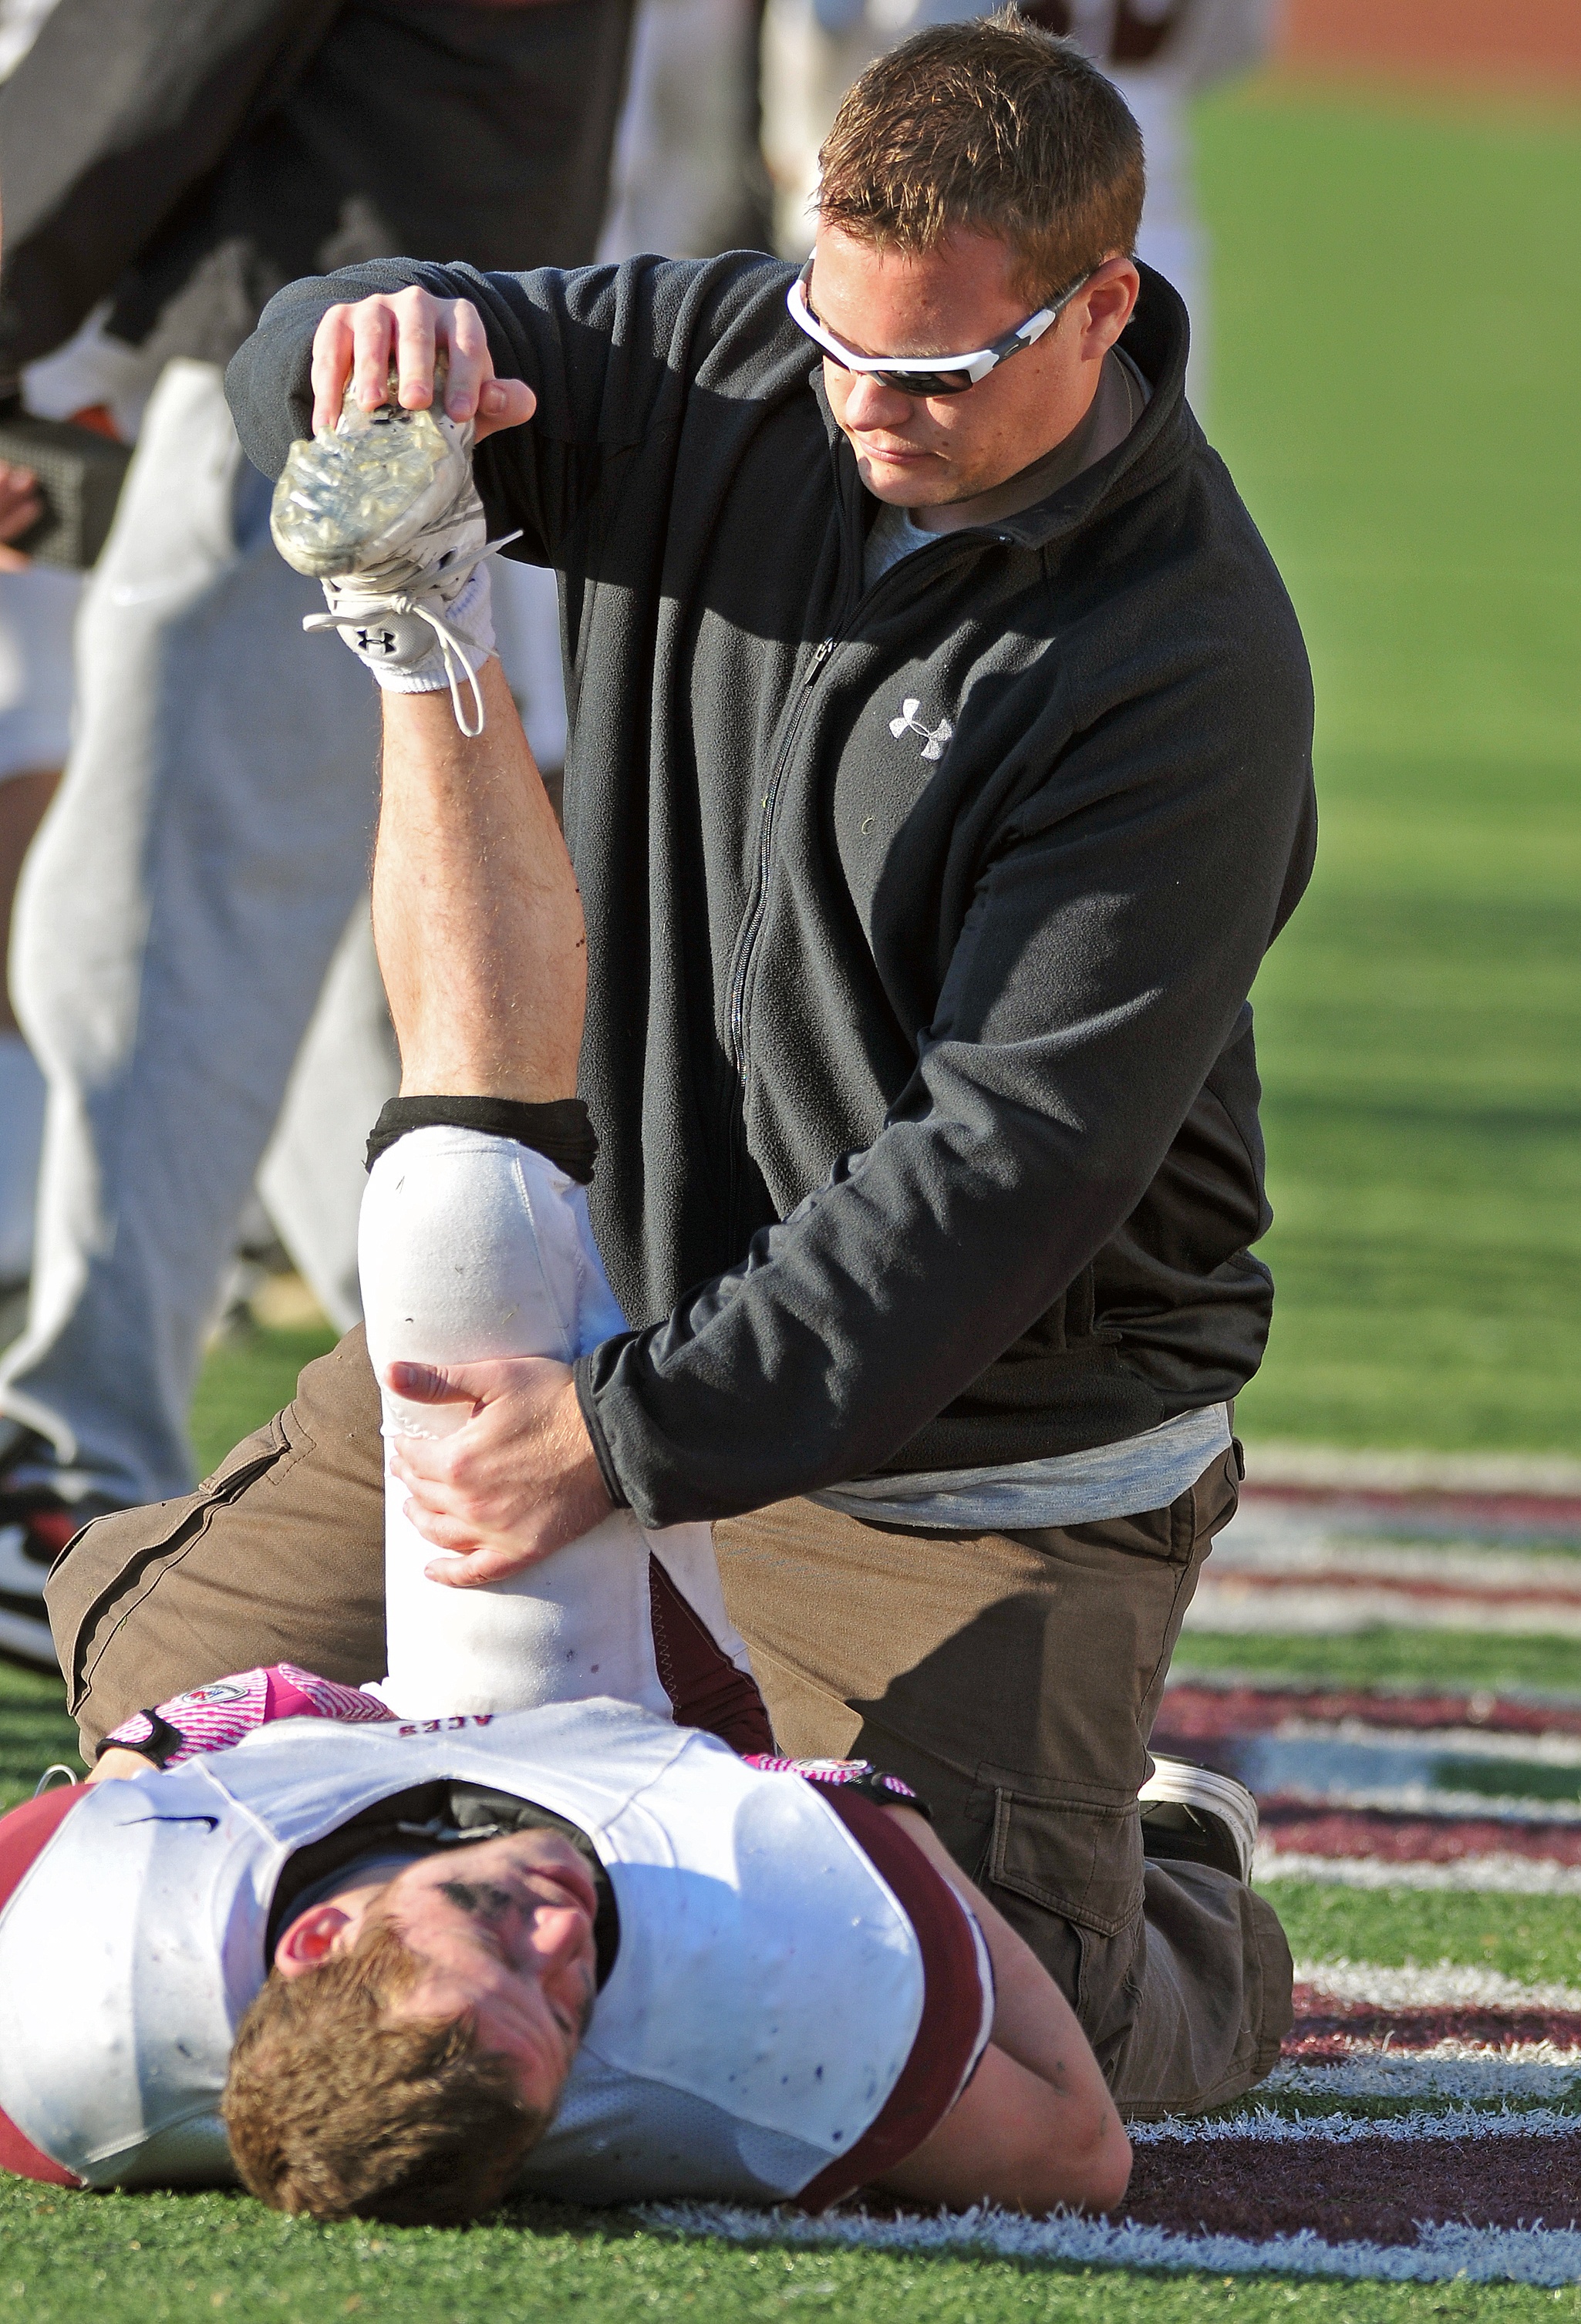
925, 382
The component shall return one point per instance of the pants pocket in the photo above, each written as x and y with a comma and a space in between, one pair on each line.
1075, 1855
112, 1562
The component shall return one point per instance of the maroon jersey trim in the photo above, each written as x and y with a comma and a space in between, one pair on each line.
949, 2038
23, 1835
704, 1686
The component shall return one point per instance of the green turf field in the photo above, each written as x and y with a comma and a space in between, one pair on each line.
1398, 333
245, 1380
1390, 1657
1394, 397
174, 2259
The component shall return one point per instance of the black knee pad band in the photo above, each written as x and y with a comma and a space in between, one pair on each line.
560, 1132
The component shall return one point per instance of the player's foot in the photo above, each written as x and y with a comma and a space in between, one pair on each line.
361, 499
36, 1522
1197, 1816
383, 511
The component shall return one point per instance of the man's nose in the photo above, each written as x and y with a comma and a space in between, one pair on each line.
870, 404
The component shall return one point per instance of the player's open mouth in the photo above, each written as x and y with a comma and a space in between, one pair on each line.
575, 1884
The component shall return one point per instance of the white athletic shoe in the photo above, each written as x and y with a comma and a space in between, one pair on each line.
383, 513
1200, 1817
358, 500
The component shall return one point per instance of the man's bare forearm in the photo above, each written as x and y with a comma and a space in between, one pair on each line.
476, 916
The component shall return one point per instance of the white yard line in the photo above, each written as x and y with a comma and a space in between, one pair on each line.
1275, 1685
1478, 2255
1268, 2128
1324, 1467
1269, 1543
1467, 2073
1443, 1987
1429, 1742
1507, 1875
1413, 1799
1245, 1608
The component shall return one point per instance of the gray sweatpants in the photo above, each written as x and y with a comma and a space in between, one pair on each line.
176, 919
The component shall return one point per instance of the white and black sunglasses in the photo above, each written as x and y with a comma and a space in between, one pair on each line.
927, 374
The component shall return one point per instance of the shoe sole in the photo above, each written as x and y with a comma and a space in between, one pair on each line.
350, 502
1179, 1783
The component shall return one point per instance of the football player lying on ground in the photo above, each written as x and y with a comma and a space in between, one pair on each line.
477, 1935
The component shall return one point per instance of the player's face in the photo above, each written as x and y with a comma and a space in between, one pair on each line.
504, 1935
504, 1930
926, 452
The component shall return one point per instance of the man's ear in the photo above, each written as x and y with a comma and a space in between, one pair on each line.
311, 1940
1109, 300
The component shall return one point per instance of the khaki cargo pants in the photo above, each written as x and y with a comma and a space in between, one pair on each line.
1012, 1678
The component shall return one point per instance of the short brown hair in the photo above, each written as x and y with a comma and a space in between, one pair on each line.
336, 2109
993, 126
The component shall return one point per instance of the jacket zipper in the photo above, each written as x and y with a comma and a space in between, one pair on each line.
757, 909
750, 928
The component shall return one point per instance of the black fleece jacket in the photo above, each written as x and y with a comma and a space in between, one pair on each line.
922, 919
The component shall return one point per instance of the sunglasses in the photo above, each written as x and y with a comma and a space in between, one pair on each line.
926, 375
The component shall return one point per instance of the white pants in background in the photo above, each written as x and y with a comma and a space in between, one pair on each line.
475, 1247
683, 177
202, 874
176, 919
37, 610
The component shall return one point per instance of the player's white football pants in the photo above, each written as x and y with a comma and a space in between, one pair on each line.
474, 1247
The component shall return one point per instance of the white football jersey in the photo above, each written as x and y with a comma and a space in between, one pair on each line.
763, 2004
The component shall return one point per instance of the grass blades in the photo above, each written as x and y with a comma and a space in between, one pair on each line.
156, 2259
1450, 1659
1537, 1939
243, 1382
1395, 398
34, 1731
1419, 1021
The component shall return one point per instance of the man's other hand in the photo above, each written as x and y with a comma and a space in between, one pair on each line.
21, 507
358, 342
514, 1483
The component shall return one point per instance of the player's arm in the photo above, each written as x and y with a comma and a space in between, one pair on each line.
1035, 2125
116, 1764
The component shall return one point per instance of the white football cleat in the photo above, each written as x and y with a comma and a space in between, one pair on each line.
383, 510
1198, 1816
357, 498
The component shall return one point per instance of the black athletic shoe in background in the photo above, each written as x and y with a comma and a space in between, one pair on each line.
37, 1520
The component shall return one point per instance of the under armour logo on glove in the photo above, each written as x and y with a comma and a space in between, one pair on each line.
375, 641
934, 738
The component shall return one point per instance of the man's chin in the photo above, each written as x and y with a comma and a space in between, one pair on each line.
903, 484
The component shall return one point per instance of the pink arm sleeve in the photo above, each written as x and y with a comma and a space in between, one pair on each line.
213, 1718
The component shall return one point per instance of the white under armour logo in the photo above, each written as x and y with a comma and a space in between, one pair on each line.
379, 641
934, 738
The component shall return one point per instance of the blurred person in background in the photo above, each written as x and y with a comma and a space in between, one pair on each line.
688, 177
1159, 54
36, 612
165, 172
37, 609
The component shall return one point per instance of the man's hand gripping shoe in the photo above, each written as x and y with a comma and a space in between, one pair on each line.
383, 511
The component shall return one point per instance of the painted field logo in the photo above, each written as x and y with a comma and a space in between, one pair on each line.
934, 738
